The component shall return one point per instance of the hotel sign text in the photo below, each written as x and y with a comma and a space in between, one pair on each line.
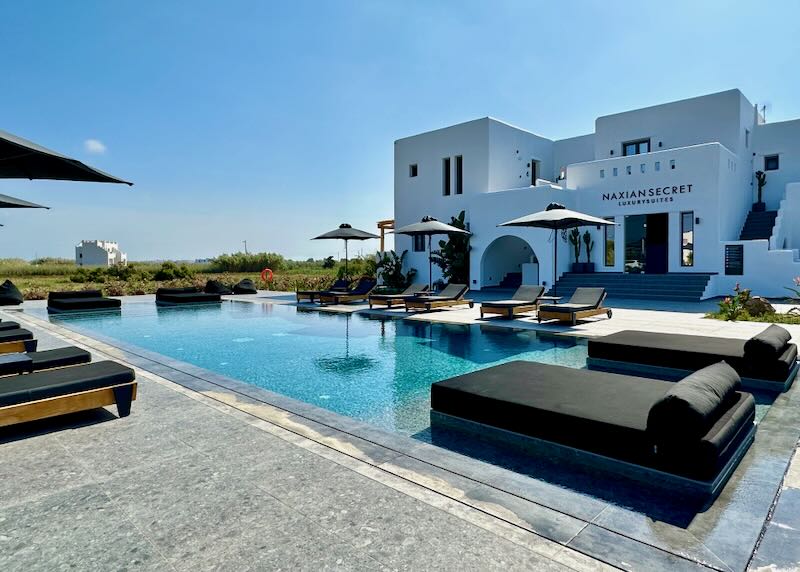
649, 196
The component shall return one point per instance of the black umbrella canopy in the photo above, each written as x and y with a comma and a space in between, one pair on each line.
23, 159
7, 202
556, 217
429, 226
346, 232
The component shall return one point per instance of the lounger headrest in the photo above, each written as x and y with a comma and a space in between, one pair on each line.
71, 295
526, 293
691, 406
588, 296
768, 345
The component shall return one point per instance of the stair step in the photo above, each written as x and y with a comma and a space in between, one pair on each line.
674, 287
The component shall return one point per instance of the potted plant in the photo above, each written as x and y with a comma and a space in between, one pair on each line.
761, 179
575, 240
587, 240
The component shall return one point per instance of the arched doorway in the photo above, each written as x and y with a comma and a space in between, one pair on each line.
509, 261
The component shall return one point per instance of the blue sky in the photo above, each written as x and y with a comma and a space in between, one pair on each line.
272, 122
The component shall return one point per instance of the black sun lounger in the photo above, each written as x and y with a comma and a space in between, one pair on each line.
452, 295
361, 292
16, 363
189, 295
584, 303
81, 300
341, 285
8, 326
389, 299
60, 391
525, 299
18, 340
687, 436
675, 355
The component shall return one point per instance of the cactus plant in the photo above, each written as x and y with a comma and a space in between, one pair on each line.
587, 240
761, 178
575, 240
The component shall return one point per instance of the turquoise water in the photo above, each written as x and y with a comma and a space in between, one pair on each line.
377, 371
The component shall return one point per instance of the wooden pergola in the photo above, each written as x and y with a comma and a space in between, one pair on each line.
383, 226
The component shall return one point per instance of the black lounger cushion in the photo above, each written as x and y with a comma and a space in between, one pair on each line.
768, 345
692, 405
47, 359
9, 326
185, 290
245, 286
15, 335
568, 308
217, 287
57, 382
99, 303
10, 294
72, 294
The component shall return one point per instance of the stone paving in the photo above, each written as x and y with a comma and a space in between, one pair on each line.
198, 478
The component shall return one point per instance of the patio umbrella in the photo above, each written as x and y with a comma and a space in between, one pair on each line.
346, 232
7, 202
22, 159
429, 226
556, 217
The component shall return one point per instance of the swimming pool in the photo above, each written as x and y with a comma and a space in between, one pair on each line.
375, 370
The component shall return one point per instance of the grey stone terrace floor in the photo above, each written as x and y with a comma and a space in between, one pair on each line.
185, 483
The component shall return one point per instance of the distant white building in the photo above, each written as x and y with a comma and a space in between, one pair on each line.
99, 253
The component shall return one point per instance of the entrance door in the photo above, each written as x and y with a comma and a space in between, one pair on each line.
646, 243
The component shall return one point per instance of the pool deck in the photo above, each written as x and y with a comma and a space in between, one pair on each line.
212, 473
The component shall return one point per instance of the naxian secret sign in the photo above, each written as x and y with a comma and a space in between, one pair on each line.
648, 196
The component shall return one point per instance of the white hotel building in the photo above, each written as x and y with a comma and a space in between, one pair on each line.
677, 179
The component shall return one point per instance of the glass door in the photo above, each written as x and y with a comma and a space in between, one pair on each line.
635, 243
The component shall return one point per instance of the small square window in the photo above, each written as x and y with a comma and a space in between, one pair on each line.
672, 163
628, 169
771, 163
419, 243
412, 170
642, 168
615, 171
658, 165
602, 173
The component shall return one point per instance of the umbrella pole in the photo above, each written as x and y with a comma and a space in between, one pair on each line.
430, 265
555, 258
346, 277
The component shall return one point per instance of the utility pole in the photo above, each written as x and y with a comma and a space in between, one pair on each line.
245, 246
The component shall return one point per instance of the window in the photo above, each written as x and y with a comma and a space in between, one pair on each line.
419, 243
602, 173
658, 165
459, 175
412, 170
672, 163
747, 138
534, 171
687, 238
636, 147
446, 176
615, 171
608, 239
771, 163
628, 169
642, 168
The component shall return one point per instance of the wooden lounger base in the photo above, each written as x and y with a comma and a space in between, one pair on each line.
572, 317
675, 374
428, 306
507, 312
122, 395
705, 490
21, 346
387, 303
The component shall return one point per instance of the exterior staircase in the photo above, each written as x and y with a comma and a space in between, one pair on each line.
511, 280
758, 225
676, 287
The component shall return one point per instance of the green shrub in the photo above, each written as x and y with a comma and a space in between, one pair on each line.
171, 271
732, 308
390, 266
252, 262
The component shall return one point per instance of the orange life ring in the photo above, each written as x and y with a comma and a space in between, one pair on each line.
266, 272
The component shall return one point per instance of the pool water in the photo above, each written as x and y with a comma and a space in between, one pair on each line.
375, 370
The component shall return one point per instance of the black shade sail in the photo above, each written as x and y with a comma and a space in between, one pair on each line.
429, 226
22, 159
346, 232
